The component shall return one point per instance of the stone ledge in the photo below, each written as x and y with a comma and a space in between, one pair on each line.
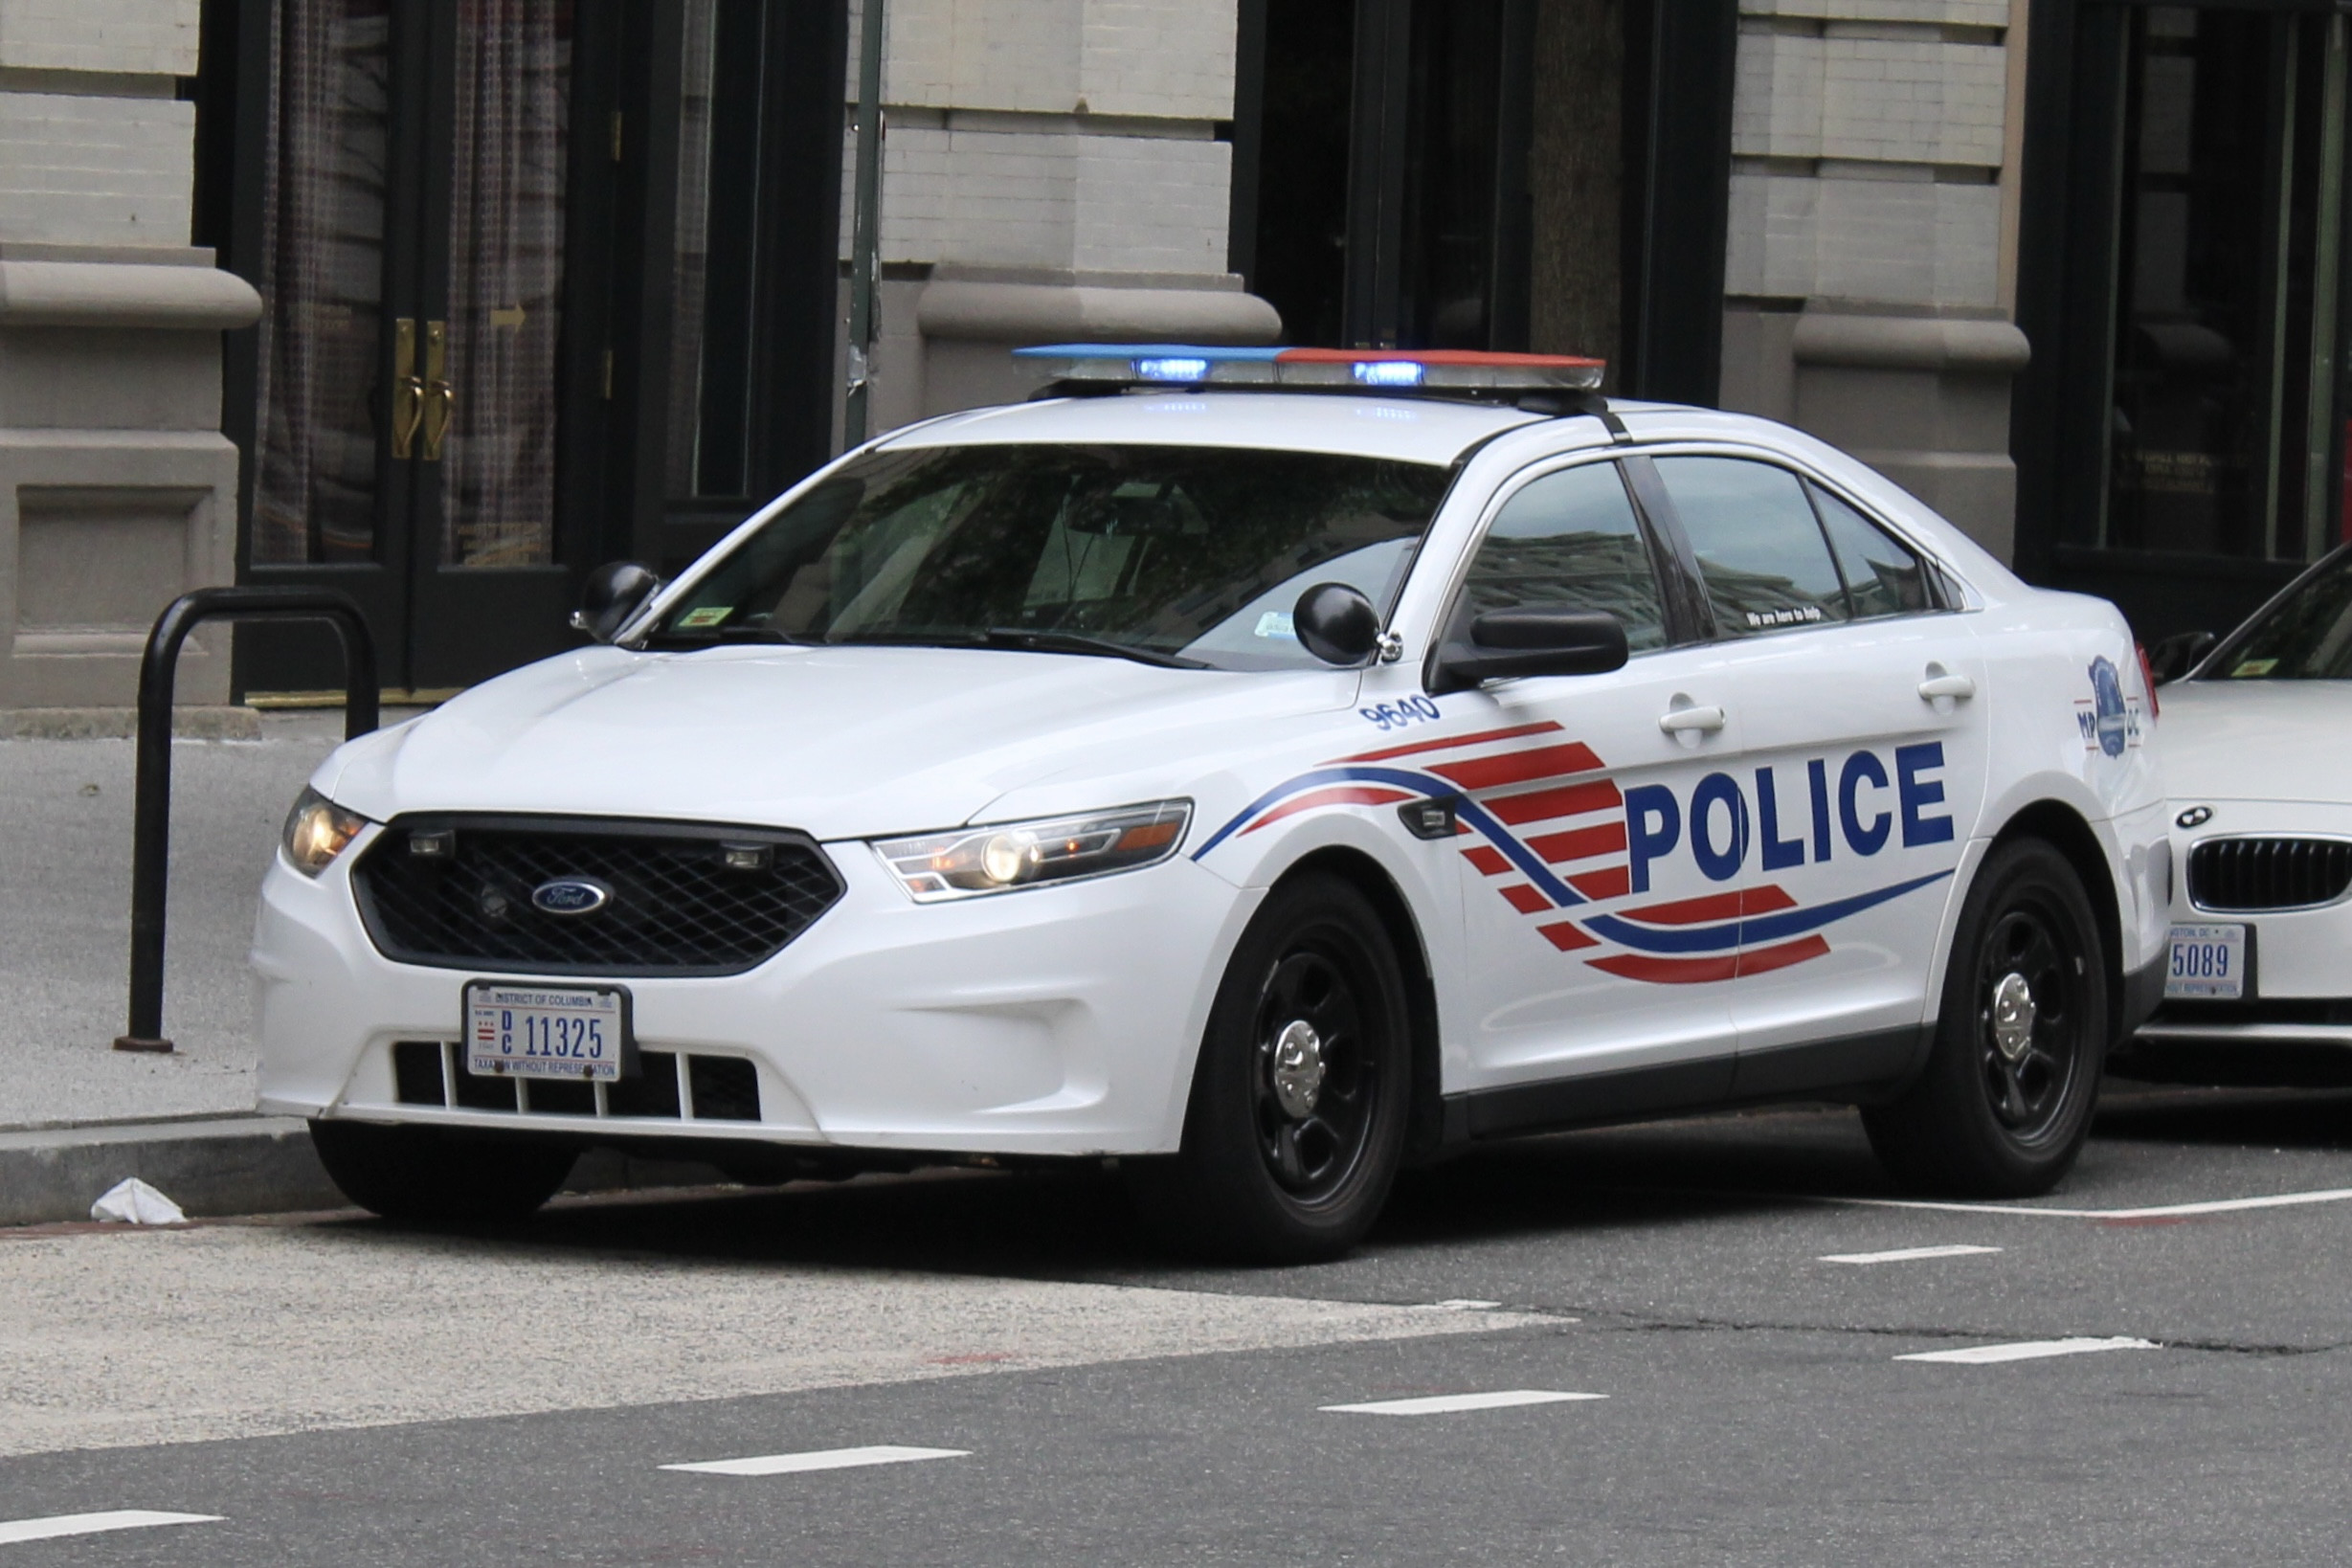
122, 722
1015, 312
124, 295
1909, 342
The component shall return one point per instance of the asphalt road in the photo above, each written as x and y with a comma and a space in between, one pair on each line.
342, 1392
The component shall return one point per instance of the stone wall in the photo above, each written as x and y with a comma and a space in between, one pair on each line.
118, 492
1051, 169
1864, 270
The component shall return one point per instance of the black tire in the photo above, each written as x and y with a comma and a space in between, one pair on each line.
1288, 1157
2005, 1102
428, 1175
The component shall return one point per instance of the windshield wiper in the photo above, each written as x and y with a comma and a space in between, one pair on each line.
1040, 640
671, 637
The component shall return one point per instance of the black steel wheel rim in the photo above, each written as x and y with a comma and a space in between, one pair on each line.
1311, 1157
2026, 1082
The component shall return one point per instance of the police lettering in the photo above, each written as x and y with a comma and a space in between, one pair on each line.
1722, 828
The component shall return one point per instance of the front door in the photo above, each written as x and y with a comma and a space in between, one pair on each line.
1581, 794
431, 374
1865, 735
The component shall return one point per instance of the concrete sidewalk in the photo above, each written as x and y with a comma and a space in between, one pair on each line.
76, 1115
65, 848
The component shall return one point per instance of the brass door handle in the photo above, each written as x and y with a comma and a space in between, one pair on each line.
439, 399
408, 399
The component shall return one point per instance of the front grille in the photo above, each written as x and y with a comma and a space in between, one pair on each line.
2243, 875
456, 893
712, 1088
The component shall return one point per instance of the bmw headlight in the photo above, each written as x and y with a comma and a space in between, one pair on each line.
1003, 856
317, 831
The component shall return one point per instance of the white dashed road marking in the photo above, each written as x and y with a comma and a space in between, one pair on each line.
821, 1458
92, 1524
2029, 1351
1463, 1304
2168, 1211
1441, 1404
1907, 1254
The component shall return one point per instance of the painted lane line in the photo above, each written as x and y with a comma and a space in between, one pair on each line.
1907, 1254
2030, 1350
1441, 1404
12, 1531
2168, 1211
1461, 1304
821, 1458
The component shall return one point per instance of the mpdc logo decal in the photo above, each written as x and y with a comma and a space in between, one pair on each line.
2109, 720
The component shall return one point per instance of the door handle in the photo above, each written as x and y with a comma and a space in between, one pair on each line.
408, 401
1942, 685
439, 399
1690, 719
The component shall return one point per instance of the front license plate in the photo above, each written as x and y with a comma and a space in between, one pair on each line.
2209, 962
540, 1031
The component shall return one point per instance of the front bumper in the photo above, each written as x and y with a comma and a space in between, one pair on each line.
1054, 1021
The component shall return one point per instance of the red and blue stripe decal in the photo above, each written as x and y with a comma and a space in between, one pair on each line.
1554, 839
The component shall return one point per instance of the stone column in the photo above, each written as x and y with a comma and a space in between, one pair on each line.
118, 492
1864, 267
1051, 171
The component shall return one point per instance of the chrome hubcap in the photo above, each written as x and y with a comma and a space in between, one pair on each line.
1298, 1068
2013, 1016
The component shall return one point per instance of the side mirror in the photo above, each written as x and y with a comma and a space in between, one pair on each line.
1508, 642
2179, 654
615, 592
1336, 624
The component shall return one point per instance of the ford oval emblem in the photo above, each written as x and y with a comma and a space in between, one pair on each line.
2194, 817
571, 896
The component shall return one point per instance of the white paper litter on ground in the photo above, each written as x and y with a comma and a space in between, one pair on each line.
133, 1202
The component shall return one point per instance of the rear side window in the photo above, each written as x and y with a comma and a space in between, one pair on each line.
1885, 577
1760, 550
1570, 541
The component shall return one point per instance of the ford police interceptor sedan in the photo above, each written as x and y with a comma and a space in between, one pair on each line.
1261, 766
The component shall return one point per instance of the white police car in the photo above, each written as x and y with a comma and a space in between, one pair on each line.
1266, 766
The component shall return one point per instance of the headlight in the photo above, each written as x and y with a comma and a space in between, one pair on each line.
317, 831
1008, 854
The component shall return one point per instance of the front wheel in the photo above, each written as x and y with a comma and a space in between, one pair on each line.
429, 1176
2004, 1104
1297, 1118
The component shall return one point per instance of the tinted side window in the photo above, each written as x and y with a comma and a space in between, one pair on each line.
1884, 577
1571, 541
1759, 548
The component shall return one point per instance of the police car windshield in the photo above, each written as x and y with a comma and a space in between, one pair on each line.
1188, 555
2309, 637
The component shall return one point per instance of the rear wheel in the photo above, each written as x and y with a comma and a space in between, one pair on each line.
2005, 1101
1297, 1118
432, 1176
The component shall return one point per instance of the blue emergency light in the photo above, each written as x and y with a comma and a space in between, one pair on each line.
1370, 370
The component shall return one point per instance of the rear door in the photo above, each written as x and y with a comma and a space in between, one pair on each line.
1865, 737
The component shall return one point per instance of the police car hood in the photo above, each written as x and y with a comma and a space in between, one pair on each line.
842, 743
2255, 740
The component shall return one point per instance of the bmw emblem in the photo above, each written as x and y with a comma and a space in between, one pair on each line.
571, 896
2193, 818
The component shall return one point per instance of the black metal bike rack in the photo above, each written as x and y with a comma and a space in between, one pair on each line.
151, 808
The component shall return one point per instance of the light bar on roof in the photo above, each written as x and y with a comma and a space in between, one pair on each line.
1368, 369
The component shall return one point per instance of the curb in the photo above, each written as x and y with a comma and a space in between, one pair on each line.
123, 724
214, 1167
210, 1167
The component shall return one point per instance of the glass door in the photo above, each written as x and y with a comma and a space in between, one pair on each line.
429, 232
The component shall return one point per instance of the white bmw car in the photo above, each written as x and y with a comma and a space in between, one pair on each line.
2259, 989
1263, 767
